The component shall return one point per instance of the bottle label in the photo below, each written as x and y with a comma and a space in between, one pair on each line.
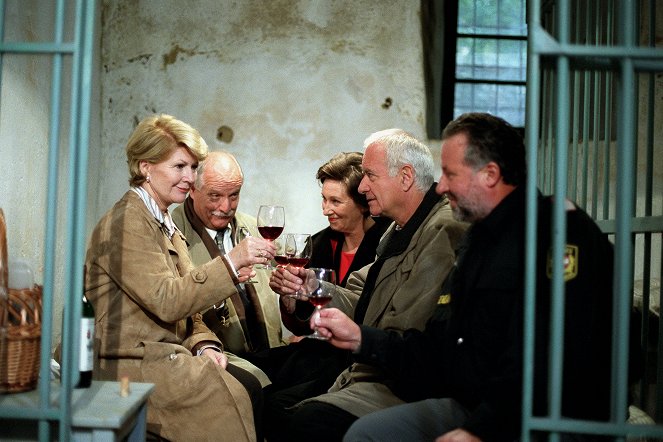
86, 362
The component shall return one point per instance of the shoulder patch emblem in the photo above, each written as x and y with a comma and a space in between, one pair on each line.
444, 299
570, 262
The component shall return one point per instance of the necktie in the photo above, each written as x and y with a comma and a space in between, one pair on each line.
240, 287
219, 240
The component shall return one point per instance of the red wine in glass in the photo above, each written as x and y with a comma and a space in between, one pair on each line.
270, 232
319, 287
270, 222
320, 301
298, 262
282, 260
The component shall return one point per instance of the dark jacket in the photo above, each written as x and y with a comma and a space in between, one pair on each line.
471, 349
323, 255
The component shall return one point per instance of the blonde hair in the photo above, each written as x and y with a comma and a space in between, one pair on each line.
155, 138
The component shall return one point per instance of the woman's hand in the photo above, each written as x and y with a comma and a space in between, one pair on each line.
286, 280
218, 357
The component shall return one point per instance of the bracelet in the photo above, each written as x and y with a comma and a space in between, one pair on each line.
205, 347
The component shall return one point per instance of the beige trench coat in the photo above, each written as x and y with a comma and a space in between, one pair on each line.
406, 293
146, 297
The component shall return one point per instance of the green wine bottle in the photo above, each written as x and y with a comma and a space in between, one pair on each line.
86, 348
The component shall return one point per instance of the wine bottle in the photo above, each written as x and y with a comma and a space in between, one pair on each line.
86, 349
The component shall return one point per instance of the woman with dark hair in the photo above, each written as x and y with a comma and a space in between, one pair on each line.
350, 241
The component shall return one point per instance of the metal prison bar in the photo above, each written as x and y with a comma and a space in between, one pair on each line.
586, 72
81, 52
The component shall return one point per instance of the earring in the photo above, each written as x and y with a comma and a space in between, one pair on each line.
147, 179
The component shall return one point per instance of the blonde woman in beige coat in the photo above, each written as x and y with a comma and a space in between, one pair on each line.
147, 296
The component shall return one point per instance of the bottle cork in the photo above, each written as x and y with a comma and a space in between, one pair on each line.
125, 388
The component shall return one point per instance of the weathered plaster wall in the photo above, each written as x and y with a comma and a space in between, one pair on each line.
296, 80
24, 131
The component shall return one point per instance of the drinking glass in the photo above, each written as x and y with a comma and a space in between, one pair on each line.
298, 250
319, 288
280, 255
241, 233
271, 221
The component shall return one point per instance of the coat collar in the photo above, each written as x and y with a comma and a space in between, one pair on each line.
162, 217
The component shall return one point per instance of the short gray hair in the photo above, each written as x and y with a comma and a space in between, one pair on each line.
402, 148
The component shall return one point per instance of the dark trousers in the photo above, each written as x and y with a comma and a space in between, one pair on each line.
313, 420
298, 371
254, 389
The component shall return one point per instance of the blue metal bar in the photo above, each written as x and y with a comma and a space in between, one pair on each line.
556, 360
16, 412
37, 48
74, 247
50, 228
551, 47
623, 275
649, 173
532, 137
562, 105
597, 428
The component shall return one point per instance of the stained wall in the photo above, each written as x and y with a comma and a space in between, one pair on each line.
295, 81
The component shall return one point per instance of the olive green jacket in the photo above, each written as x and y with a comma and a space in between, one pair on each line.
406, 292
230, 332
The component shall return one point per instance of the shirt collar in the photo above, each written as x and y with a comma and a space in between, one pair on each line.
162, 217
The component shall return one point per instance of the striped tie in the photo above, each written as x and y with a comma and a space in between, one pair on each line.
219, 240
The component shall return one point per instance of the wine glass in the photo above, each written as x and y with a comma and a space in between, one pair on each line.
271, 221
280, 255
298, 250
319, 286
241, 233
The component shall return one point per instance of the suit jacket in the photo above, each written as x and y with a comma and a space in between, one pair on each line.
265, 302
146, 297
406, 292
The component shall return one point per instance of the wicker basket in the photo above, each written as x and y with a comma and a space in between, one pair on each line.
20, 329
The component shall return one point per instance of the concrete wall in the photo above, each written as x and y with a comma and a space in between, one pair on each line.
296, 81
